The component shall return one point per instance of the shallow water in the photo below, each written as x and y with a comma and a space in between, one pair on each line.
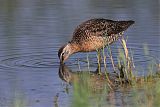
31, 32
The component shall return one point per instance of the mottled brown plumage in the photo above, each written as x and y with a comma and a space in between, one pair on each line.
92, 35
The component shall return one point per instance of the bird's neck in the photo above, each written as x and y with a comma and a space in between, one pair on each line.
74, 48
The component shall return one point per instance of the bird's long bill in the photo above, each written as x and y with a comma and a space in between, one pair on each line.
61, 60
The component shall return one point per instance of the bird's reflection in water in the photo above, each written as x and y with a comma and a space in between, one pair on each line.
97, 83
95, 80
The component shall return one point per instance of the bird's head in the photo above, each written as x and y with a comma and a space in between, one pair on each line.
64, 53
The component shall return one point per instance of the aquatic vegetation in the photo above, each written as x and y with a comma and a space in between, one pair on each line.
145, 90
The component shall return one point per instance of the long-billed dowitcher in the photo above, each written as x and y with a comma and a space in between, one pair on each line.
93, 35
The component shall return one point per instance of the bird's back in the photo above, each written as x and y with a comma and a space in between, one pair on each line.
96, 30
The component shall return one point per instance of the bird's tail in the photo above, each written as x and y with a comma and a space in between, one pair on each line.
123, 25
119, 26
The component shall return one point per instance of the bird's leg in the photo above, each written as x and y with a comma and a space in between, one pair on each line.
99, 56
104, 59
110, 54
99, 60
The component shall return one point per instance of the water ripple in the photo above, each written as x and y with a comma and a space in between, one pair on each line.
50, 59
40, 60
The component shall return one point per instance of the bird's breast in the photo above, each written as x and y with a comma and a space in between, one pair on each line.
92, 44
96, 42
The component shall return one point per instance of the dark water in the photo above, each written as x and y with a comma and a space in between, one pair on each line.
31, 32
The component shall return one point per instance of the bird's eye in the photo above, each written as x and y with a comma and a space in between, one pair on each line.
63, 54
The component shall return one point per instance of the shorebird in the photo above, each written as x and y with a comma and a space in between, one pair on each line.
92, 35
